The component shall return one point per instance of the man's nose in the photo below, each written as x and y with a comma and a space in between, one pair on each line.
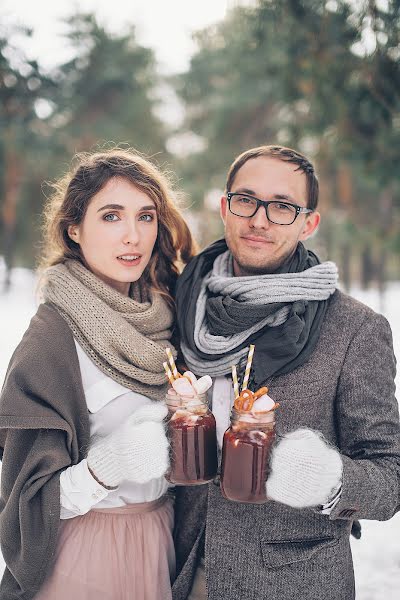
260, 219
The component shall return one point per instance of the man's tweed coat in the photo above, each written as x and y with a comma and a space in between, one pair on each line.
254, 552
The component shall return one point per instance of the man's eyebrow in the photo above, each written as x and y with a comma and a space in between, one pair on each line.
283, 197
120, 207
245, 191
253, 193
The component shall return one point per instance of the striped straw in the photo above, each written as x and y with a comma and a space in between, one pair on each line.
235, 381
168, 372
248, 367
172, 363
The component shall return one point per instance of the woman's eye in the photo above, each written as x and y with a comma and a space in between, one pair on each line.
111, 217
147, 217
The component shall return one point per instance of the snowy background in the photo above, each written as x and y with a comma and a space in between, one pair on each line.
376, 555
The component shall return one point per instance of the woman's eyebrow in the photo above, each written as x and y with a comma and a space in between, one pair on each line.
111, 207
120, 207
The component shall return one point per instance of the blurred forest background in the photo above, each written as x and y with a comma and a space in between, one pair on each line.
320, 76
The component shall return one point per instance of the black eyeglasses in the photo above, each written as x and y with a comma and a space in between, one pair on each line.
280, 213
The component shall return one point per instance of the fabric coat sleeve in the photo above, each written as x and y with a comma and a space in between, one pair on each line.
27, 509
368, 424
79, 491
44, 429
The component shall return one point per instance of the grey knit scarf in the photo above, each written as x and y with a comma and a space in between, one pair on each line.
279, 290
125, 336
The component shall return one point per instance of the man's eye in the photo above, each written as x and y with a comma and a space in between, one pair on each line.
283, 207
111, 217
244, 200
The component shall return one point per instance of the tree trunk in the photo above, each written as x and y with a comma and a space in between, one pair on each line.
382, 277
386, 220
12, 186
367, 267
345, 263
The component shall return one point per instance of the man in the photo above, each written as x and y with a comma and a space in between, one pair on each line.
326, 358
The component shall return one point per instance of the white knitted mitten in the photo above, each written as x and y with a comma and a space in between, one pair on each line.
136, 451
305, 470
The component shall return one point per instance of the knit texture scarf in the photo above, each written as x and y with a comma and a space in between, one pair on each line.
219, 314
125, 336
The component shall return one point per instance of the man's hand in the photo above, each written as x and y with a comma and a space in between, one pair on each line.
305, 470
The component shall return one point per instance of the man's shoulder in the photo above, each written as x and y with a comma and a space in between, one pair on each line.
344, 306
346, 316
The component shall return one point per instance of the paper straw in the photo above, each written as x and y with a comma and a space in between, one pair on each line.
172, 363
248, 367
168, 372
235, 381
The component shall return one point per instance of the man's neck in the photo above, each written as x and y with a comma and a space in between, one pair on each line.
243, 271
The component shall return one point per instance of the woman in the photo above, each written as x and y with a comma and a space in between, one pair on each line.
84, 507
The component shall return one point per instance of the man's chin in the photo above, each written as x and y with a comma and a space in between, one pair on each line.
244, 268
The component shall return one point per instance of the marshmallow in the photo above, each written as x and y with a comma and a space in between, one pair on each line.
203, 384
183, 387
191, 376
263, 404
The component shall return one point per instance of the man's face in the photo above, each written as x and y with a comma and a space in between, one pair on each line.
257, 245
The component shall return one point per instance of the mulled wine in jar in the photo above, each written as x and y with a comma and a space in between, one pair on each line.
247, 443
193, 442
191, 428
245, 456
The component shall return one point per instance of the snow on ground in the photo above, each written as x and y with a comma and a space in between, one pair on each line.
377, 555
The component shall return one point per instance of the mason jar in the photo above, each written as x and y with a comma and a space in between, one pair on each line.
245, 456
191, 430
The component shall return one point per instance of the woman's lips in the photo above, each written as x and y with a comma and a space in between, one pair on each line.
129, 260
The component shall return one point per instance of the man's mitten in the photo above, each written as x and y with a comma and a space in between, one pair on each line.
136, 451
305, 470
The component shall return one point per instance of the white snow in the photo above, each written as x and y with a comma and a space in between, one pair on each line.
376, 556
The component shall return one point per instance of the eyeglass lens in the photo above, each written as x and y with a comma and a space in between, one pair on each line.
278, 212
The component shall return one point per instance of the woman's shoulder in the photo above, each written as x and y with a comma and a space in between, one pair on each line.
47, 332
46, 347
43, 375
48, 321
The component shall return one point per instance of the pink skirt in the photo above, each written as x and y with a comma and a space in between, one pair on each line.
124, 553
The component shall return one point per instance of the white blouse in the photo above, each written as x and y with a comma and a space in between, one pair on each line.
109, 404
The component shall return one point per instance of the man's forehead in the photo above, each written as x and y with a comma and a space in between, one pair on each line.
265, 175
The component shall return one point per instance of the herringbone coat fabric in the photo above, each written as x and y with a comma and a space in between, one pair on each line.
345, 390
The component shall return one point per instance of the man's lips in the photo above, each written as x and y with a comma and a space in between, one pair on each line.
255, 239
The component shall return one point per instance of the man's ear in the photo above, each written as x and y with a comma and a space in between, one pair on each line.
73, 233
223, 208
310, 225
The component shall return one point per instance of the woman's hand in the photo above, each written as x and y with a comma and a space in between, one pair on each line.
136, 451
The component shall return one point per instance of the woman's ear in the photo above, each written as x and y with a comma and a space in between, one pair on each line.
73, 232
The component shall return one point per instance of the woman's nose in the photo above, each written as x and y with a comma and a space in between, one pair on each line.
131, 234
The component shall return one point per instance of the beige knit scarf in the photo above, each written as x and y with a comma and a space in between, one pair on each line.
125, 336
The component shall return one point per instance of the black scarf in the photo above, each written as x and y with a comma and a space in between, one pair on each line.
279, 349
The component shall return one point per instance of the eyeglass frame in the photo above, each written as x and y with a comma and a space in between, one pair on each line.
265, 204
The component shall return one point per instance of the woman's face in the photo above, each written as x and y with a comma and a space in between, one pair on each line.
117, 234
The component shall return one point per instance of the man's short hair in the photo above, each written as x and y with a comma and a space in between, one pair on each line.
286, 155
